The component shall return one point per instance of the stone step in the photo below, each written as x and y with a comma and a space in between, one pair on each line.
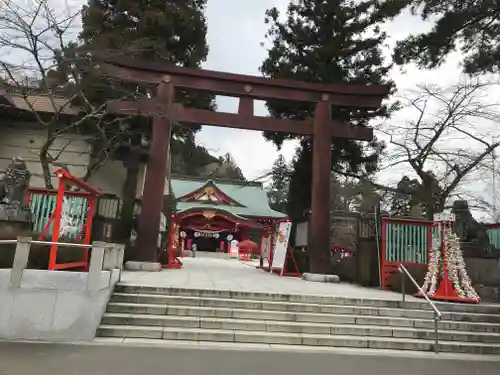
219, 335
285, 306
330, 318
323, 300
294, 327
281, 310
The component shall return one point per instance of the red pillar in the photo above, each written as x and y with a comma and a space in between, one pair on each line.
244, 234
156, 171
319, 231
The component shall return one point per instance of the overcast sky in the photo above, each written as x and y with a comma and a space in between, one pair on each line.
235, 31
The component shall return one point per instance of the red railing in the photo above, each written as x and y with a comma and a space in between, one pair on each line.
65, 179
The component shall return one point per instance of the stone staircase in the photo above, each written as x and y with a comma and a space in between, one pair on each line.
245, 317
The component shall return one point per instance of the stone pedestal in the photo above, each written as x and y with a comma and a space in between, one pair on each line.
321, 278
10, 229
15, 212
143, 266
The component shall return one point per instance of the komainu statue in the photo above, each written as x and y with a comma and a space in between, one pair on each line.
468, 229
14, 184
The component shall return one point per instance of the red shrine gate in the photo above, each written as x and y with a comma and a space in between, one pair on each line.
247, 88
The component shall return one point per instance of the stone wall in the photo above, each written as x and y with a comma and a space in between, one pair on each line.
485, 275
25, 140
57, 306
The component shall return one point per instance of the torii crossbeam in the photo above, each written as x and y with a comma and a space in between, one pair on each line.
164, 111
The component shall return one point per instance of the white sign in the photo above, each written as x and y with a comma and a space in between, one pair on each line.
163, 222
301, 234
444, 217
265, 246
233, 249
281, 245
229, 237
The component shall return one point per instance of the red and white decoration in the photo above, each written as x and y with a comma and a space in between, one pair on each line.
447, 277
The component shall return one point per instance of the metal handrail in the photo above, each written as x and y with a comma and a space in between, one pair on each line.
36, 242
437, 314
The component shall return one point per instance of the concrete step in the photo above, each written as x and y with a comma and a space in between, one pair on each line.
311, 318
292, 306
354, 317
282, 310
240, 336
294, 327
309, 299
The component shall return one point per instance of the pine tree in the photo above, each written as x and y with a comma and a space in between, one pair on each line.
280, 182
469, 26
328, 41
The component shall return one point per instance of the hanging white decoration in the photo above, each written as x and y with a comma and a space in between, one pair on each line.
455, 267
432, 276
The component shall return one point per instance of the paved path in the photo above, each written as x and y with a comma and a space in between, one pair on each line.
45, 359
231, 274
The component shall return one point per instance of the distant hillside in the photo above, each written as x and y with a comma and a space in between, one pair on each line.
190, 159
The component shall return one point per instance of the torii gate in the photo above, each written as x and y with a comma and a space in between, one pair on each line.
247, 88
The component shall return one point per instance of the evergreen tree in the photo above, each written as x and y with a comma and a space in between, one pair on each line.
469, 26
169, 30
327, 41
280, 182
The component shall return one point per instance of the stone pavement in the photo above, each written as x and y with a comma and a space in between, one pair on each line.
205, 272
50, 359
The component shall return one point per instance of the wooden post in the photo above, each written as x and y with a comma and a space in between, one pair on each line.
319, 231
156, 173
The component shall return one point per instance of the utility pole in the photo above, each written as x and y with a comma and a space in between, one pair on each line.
494, 184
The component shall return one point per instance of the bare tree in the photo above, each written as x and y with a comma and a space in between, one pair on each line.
447, 143
39, 59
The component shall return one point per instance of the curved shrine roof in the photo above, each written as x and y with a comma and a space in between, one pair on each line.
247, 199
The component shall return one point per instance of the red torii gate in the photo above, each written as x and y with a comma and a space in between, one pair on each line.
247, 88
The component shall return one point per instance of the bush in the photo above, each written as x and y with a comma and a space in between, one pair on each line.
418, 273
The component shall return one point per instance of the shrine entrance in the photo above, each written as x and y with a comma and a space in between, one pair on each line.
212, 230
166, 112
206, 243
212, 213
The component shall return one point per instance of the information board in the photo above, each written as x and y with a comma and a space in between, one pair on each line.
265, 247
233, 249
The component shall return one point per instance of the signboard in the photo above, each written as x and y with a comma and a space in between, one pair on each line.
301, 234
281, 245
444, 217
233, 249
264, 247
163, 222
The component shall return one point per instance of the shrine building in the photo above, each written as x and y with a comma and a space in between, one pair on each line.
211, 213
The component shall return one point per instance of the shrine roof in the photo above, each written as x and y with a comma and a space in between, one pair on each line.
250, 199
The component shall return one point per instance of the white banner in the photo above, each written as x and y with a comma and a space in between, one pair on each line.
233, 249
281, 245
264, 247
301, 233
